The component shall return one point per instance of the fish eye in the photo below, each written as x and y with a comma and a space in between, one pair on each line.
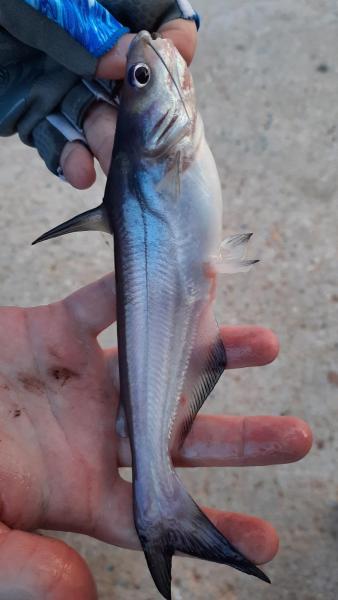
139, 75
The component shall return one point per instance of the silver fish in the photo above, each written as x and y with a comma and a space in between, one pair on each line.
163, 205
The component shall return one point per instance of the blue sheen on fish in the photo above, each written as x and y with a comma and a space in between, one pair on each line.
163, 205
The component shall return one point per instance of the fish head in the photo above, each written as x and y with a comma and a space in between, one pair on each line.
157, 103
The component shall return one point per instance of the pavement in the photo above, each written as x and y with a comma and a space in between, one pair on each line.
266, 78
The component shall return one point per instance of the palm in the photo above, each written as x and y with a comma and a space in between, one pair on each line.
59, 406
60, 451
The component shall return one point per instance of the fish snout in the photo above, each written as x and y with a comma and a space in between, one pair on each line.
143, 36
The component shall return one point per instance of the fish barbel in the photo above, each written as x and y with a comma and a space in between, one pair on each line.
163, 205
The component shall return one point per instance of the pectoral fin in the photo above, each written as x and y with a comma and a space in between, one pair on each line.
91, 220
231, 258
207, 363
170, 184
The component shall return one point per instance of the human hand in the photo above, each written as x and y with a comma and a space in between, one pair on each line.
77, 161
60, 453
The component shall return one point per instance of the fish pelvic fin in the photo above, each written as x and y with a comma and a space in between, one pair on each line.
92, 220
186, 530
232, 255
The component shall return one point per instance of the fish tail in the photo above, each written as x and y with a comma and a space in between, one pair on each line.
188, 531
159, 559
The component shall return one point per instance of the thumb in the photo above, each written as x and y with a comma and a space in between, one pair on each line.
182, 33
33, 567
112, 65
94, 306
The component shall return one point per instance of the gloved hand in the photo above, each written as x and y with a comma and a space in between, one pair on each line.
59, 58
99, 123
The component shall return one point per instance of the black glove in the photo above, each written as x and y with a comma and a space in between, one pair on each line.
47, 78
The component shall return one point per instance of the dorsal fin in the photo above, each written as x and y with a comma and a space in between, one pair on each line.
92, 220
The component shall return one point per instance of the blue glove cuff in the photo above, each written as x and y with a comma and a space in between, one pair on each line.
188, 12
86, 21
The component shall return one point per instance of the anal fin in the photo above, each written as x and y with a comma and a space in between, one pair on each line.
207, 363
92, 220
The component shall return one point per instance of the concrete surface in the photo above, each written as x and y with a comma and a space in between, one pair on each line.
266, 75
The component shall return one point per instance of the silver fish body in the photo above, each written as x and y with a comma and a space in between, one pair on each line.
166, 219
163, 205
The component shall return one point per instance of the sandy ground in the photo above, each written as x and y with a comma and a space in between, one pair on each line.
266, 77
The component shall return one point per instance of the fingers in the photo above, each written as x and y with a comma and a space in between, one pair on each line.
33, 566
249, 346
182, 33
218, 441
99, 128
77, 164
94, 306
244, 441
255, 538
112, 65
76, 161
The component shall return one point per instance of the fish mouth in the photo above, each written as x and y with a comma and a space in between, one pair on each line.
155, 35
146, 36
142, 35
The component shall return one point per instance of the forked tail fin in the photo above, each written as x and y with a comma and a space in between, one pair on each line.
191, 533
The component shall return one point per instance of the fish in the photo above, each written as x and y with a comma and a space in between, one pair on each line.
163, 206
